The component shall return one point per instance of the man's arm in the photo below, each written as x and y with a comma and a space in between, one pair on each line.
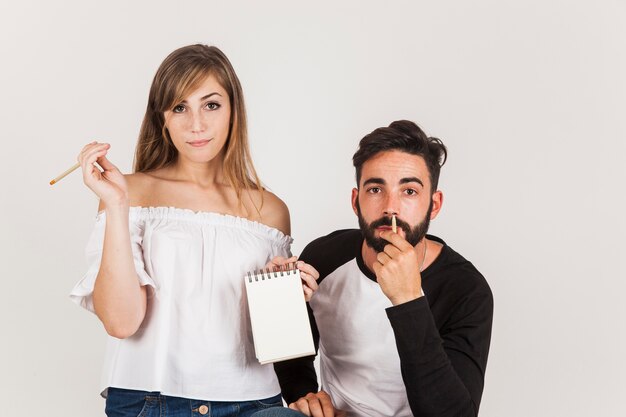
444, 372
442, 368
297, 377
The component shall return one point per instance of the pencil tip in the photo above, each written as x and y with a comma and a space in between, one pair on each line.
52, 182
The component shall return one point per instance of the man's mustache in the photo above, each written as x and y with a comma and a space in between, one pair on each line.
386, 221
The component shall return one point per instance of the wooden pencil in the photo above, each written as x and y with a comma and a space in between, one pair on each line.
69, 171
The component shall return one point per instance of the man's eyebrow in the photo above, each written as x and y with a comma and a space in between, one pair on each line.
374, 180
411, 179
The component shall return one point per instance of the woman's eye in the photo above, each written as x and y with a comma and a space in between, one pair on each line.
178, 109
213, 106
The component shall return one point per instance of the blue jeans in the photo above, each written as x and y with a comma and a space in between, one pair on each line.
132, 403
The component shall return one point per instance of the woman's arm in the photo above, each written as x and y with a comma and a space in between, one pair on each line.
119, 299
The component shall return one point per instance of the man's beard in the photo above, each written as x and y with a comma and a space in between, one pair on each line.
413, 235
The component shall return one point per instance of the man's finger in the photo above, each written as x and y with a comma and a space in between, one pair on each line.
302, 405
377, 267
396, 240
318, 405
392, 251
316, 408
383, 258
327, 405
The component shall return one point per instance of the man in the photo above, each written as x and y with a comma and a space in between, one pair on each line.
402, 321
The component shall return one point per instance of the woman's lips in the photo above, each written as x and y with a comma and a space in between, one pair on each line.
199, 143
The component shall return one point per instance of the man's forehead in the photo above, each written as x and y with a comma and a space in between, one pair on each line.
391, 164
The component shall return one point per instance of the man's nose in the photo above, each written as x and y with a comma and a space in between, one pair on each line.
391, 206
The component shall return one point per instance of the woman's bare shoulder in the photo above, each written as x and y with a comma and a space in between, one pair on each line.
140, 178
274, 212
139, 186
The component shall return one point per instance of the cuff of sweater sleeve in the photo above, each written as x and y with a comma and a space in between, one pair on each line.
418, 304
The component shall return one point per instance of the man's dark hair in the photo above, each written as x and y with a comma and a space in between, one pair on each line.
404, 136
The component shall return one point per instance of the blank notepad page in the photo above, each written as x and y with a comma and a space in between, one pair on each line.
278, 314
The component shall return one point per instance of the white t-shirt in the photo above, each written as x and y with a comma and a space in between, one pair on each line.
195, 340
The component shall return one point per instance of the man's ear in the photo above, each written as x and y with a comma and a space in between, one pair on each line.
437, 203
355, 196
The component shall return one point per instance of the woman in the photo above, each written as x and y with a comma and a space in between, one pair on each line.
171, 246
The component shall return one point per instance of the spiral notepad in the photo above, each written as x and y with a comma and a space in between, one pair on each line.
278, 314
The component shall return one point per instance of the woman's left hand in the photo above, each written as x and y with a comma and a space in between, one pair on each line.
308, 274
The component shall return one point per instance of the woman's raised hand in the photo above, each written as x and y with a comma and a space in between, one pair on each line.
308, 274
109, 184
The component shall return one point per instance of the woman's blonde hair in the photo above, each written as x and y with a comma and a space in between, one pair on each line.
179, 75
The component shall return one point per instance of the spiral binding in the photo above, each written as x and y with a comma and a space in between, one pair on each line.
267, 273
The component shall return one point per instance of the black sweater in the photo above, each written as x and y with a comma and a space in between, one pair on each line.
442, 339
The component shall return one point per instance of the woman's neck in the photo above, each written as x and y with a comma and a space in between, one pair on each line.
203, 174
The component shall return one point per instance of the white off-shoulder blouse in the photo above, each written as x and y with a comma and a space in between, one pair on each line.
196, 340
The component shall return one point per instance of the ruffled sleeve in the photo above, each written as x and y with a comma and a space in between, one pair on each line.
82, 293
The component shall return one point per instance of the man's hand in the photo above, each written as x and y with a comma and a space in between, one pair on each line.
317, 405
397, 270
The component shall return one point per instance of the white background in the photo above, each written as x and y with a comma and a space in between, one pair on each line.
529, 96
